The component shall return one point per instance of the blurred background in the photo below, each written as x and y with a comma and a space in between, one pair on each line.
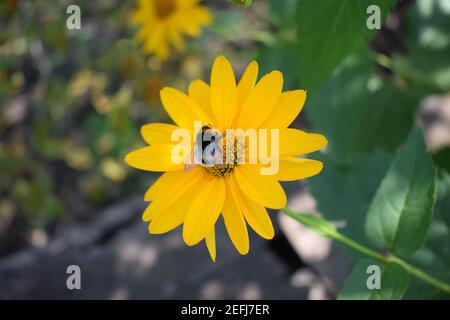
72, 103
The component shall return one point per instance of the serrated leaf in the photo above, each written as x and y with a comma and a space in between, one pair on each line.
329, 31
393, 282
400, 213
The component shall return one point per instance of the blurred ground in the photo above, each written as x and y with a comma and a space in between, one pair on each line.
119, 260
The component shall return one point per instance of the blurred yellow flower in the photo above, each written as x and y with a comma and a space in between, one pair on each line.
197, 195
163, 23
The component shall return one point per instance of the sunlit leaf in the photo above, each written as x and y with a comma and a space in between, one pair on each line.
400, 213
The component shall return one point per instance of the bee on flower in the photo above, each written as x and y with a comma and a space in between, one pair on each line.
164, 23
222, 173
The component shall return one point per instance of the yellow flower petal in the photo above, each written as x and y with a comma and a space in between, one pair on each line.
154, 38
297, 168
174, 215
234, 222
185, 3
153, 158
198, 17
162, 50
161, 185
204, 210
295, 142
182, 109
182, 186
247, 83
287, 109
223, 92
158, 133
255, 214
261, 101
211, 244
262, 189
145, 10
201, 93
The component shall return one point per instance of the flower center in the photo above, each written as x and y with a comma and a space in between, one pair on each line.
232, 154
164, 7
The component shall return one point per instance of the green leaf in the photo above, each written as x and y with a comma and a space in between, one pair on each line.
315, 223
393, 282
400, 213
344, 191
359, 113
434, 256
329, 31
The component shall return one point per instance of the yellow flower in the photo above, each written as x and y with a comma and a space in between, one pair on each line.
239, 191
163, 23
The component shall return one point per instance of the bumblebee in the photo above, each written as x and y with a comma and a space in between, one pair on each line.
206, 139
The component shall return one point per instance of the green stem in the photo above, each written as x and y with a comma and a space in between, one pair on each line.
359, 247
418, 273
334, 234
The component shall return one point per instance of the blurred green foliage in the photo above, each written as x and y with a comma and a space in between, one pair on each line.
364, 87
70, 103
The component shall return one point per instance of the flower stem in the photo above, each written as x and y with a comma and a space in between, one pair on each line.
418, 273
361, 248
334, 234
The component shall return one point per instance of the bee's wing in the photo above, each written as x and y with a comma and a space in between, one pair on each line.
190, 162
